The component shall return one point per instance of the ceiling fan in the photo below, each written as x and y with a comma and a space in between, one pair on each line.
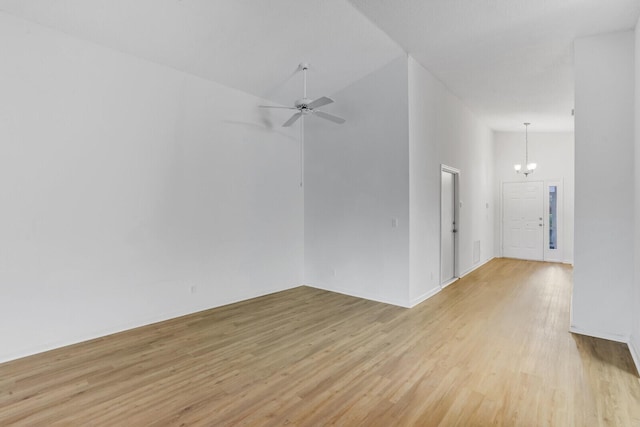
306, 106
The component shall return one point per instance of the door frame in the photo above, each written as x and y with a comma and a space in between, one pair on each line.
456, 215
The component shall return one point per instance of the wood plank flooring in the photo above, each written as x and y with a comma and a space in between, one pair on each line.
491, 349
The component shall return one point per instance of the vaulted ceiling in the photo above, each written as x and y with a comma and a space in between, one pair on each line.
508, 60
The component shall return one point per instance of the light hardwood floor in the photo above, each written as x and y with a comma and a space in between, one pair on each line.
491, 349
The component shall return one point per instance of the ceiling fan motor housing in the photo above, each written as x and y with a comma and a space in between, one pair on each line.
303, 104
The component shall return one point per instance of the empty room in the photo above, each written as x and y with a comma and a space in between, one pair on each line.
340, 212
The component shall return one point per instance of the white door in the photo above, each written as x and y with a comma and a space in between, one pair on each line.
523, 230
447, 228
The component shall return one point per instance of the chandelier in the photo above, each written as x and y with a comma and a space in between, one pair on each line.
530, 167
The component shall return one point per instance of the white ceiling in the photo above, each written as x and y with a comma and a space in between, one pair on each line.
251, 45
510, 61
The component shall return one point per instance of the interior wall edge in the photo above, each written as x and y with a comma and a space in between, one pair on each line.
611, 336
477, 266
425, 296
363, 295
634, 349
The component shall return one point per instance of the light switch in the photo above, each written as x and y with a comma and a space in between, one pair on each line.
394, 222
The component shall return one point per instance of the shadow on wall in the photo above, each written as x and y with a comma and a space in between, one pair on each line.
266, 126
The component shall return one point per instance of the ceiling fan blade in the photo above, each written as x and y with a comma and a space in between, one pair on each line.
320, 102
292, 120
275, 106
330, 117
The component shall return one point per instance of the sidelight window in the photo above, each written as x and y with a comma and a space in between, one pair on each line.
553, 217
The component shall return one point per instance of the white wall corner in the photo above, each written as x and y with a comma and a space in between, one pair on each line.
475, 267
634, 349
599, 334
363, 295
425, 296
356, 235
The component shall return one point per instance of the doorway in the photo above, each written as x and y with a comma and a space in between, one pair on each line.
449, 178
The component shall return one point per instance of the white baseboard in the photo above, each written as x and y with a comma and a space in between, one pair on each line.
450, 282
363, 295
634, 349
475, 267
598, 334
135, 323
429, 294
425, 296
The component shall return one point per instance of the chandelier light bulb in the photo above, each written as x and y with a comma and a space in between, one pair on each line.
531, 166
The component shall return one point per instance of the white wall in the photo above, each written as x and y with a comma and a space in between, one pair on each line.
356, 183
554, 154
604, 186
123, 184
384, 164
442, 130
634, 343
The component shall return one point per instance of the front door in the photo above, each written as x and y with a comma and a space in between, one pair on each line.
522, 225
